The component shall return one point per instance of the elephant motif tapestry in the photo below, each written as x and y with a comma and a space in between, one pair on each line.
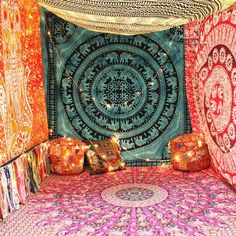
102, 85
214, 81
23, 117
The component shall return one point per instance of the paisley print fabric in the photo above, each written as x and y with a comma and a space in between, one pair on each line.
12, 189
4, 196
191, 42
23, 121
215, 95
19, 178
144, 201
101, 85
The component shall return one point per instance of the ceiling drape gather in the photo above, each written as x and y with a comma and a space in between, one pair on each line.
129, 17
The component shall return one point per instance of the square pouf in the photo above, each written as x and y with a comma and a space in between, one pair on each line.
66, 156
189, 152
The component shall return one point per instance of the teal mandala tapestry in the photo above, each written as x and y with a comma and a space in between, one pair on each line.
101, 85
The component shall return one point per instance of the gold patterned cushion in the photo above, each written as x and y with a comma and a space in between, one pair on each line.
103, 156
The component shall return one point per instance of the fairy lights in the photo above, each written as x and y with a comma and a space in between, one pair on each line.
107, 104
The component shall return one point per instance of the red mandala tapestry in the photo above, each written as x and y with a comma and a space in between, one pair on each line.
190, 44
23, 121
215, 90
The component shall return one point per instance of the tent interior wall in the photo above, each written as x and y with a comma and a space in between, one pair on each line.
144, 88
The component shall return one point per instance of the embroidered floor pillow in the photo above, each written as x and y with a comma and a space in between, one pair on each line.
104, 156
189, 152
66, 156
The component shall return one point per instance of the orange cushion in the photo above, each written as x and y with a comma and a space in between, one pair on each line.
104, 156
66, 156
189, 152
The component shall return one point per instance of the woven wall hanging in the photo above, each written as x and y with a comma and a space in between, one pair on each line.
133, 16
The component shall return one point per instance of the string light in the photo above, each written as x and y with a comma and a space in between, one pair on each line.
190, 153
110, 168
199, 142
108, 105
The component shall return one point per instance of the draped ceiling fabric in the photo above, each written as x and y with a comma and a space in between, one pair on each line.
99, 85
23, 118
214, 83
133, 16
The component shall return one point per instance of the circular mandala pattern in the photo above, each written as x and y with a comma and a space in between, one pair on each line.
197, 204
134, 195
175, 34
222, 55
123, 85
210, 62
219, 97
62, 30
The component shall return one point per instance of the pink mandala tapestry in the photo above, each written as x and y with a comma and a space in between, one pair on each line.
23, 121
144, 201
215, 90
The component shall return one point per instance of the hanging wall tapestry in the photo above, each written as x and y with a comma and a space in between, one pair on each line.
23, 121
191, 41
214, 81
101, 85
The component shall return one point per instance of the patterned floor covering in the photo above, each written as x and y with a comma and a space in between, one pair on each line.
137, 201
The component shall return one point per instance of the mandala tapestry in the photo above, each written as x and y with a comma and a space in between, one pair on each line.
100, 85
215, 83
23, 120
138, 201
191, 42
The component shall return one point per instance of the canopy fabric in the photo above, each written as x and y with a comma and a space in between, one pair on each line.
129, 17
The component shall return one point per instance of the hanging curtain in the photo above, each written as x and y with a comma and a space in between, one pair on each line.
133, 16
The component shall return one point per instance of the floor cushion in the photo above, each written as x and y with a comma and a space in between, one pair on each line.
189, 152
66, 156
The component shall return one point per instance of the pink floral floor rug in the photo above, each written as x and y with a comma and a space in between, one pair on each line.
137, 201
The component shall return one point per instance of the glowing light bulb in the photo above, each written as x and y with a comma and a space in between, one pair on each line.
199, 142
177, 157
49, 33
95, 145
110, 168
147, 159
190, 153
108, 105
115, 139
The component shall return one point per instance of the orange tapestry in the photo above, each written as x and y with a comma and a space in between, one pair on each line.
23, 121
